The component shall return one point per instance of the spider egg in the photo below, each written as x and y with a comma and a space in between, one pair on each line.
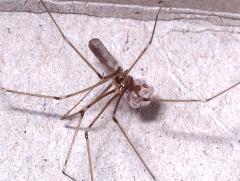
146, 91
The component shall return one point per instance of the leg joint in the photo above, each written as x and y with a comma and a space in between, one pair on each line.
114, 119
86, 134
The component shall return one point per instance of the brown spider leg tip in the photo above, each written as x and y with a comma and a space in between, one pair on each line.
63, 117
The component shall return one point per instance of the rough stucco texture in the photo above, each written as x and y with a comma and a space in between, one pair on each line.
178, 141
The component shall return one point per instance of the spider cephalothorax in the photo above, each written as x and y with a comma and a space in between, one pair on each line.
140, 95
123, 81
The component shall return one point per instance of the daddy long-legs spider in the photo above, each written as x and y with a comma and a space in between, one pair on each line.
150, 145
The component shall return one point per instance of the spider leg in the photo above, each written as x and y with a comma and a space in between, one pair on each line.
86, 138
100, 82
69, 111
128, 139
70, 43
98, 98
148, 44
54, 97
75, 105
70, 149
201, 100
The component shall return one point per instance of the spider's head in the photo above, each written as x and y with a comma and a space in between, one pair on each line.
140, 95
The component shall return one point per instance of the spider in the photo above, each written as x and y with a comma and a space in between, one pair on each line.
137, 92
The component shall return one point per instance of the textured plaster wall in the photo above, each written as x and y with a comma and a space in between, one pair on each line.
178, 141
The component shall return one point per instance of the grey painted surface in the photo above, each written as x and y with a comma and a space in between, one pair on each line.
221, 12
206, 5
